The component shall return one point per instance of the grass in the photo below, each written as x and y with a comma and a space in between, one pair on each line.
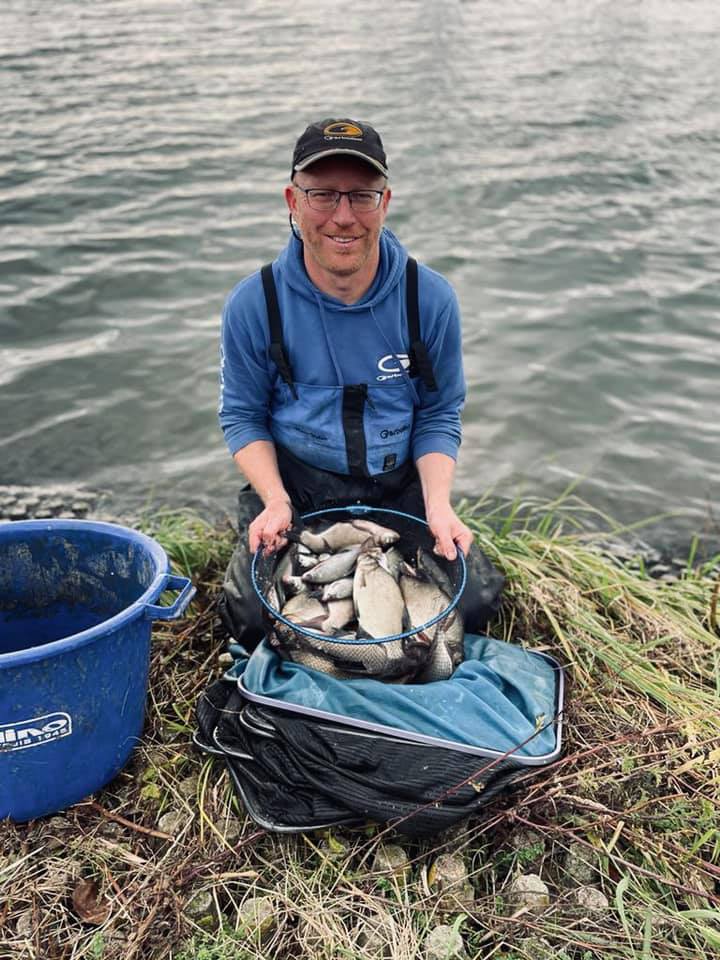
176, 870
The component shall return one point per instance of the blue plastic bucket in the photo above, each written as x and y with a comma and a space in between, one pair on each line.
77, 601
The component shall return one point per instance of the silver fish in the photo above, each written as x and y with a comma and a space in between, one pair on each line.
339, 536
393, 560
378, 600
451, 632
303, 608
334, 567
315, 661
383, 536
432, 569
340, 613
423, 601
338, 589
439, 665
293, 585
392, 660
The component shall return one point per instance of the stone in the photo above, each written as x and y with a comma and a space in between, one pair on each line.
591, 899
528, 892
25, 927
187, 788
580, 864
225, 659
43, 514
79, 506
391, 858
538, 948
530, 846
172, 822
376, 936
449, 878
17, 513
444, 943
201, 908
257, 917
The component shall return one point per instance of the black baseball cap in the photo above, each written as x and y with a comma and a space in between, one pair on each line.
330, 138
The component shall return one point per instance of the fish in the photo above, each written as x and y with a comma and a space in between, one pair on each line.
340, 614
293, 585
303, 608
377, 598
338, 589
393, 560
432, 569
397, 658
335, 567
439, 665
423, 600
383, 536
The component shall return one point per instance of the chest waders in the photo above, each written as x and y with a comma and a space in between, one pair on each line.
310, 488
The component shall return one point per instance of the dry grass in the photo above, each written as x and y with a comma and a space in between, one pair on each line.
163, 864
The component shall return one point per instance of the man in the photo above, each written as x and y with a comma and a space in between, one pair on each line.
341, 378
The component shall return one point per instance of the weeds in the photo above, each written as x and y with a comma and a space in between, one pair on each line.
631, 808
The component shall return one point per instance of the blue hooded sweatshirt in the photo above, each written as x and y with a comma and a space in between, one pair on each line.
332, 346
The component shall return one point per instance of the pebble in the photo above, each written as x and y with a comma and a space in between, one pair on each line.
580, 864
529, 891
591, 899
25, 927
201, 908
538, 948
444, 943
448, 876
257, 916
187, 788
172, 822
391, 858
376, 936
529, 844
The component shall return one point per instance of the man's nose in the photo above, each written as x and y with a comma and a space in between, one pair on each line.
344, 212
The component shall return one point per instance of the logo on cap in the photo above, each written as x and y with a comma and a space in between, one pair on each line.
341, 129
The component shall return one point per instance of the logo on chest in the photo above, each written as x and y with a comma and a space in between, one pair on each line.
392, 365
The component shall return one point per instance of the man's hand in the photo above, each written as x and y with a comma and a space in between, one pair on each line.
268, 527
448, 530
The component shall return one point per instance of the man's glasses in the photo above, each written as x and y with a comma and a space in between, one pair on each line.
363, 201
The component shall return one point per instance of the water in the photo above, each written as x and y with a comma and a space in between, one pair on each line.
558, 162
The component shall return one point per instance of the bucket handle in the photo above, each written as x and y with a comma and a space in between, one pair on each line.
170, 581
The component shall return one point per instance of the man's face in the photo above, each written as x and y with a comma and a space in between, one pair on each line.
341, 241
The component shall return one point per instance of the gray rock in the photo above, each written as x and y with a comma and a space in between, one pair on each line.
17, 513
25, 927
530, 846
538, 948
225, 659
187, 788
591, 899
376, 936
528, 892
201, 908
257, 917
391, 858
444, 943
79, 507
448, 876
580, 864
172, 822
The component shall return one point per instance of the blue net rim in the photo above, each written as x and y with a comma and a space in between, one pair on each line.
360, 509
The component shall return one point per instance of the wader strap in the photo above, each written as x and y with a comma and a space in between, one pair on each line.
353, 413
419, 359
277, 348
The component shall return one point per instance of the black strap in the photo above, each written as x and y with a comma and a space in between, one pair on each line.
420, 364
277, 347
419, 359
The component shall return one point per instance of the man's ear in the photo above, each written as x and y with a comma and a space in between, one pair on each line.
291, 198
